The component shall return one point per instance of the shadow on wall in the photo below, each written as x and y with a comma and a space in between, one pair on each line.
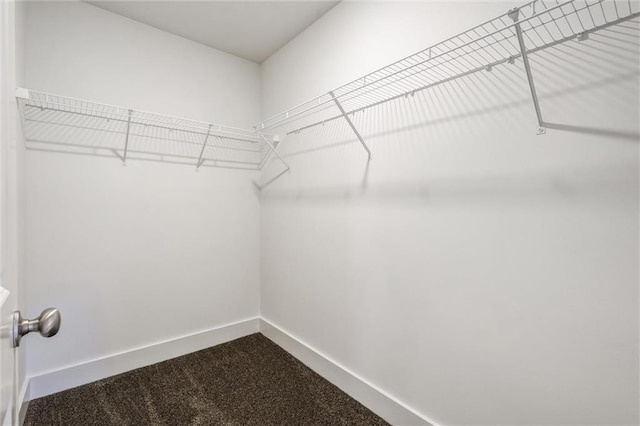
597, 182
475, 131
112, 153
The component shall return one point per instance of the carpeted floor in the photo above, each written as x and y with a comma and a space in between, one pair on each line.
249, 381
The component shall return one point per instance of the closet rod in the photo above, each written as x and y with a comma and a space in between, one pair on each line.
290, 113
581, 37
70, 123
125, 119
484, 46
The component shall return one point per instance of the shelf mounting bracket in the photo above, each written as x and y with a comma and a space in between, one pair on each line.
514, 14
346, 117
273, 150
126, 139
204, 145
261, 136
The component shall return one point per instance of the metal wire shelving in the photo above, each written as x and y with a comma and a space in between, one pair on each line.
508, 38
70, 122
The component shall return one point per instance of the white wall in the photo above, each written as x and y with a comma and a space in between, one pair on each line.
475, 271
148, 252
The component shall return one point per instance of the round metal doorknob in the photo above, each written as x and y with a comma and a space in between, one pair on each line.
47, 324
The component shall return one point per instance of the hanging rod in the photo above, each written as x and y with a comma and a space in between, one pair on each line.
79, 121
542, 24
489, 66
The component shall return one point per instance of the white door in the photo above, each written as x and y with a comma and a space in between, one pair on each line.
10, 170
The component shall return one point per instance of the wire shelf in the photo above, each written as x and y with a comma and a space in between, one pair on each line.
543, 23
69, 122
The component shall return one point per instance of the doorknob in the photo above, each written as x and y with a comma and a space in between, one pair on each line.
47, 324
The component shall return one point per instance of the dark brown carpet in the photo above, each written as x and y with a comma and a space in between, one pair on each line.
249, 381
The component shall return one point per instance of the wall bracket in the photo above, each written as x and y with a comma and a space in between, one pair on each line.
514, 15
353, 127
126, 139
204, 145
274, 151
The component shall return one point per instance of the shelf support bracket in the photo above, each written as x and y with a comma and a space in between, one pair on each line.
126, 139
514, 14
273, 150
204, 145
346, 117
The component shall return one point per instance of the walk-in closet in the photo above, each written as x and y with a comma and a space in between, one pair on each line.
320, 212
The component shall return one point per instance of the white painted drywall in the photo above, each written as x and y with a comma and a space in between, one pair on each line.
152, 251
475, 271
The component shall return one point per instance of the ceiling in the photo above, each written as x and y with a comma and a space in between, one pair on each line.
253, 30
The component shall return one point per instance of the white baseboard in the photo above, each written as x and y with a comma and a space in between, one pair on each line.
386, 406
90, 371
375, 399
